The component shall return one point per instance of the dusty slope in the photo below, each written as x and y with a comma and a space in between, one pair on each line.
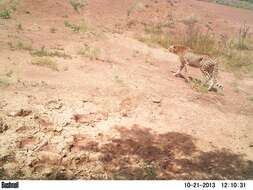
120, 116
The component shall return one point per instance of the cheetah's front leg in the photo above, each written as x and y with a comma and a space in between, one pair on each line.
186, 70
206, 75
178, 73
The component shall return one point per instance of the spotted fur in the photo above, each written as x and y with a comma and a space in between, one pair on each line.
207, 65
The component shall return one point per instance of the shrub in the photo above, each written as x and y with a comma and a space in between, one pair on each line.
5, 14
45, 62
78, 4
90, 52
44, 52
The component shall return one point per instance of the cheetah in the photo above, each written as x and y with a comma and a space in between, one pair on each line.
207, 65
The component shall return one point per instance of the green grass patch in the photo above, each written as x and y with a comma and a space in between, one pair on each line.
5, 14
42, 52
245, 4
78, 28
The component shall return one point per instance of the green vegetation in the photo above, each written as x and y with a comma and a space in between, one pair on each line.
42, 52
197, 85
91, 52
78, 4
235, 54
5, 14
45, 62
7, 8
76, 28
245, 4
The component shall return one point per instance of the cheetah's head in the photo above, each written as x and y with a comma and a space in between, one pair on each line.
178, 49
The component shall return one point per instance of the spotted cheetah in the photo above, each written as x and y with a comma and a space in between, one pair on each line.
207, 65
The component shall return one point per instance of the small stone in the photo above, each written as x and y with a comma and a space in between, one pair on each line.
59, 128
176, 168
156, 100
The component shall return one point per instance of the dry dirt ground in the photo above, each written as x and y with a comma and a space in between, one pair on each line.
116, 112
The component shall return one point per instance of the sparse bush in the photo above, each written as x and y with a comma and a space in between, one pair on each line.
73, 27
243, 36
5, 14
90, 52
5, 79
76, 28
44, 52
197, 85
4, 82
234, 54
238, 61
27, 46
78, 4
162, 40
200, 42
153, 29
45, 62
137, 5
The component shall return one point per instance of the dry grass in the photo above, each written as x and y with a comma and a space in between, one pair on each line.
6, 79
78, 4
88, 51
45, 52
197, 85
235, 54
20, 45
135, 6
45, 62
78, 28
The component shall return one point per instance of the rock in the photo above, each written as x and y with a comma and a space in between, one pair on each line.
49, 157
11, 169
156, 99
54, 105
175, 168
91, 118
21, 113
3, 126
59, 128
